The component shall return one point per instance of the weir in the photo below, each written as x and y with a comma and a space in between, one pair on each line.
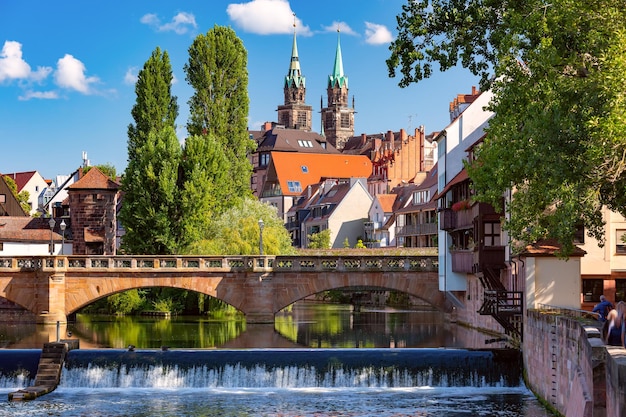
291, 368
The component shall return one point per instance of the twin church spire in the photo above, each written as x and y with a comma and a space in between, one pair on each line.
337, 118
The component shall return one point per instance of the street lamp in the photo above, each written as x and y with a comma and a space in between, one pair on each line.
51, 223
62, 226
261, 225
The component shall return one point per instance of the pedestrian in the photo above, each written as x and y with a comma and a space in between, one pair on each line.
603, 308
614, 325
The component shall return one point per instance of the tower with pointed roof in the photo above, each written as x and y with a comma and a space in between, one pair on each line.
295, 113
337, 116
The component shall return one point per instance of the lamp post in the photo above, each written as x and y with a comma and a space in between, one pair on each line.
261, 225
51, 223
62, 226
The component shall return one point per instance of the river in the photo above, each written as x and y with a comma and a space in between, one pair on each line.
317, 360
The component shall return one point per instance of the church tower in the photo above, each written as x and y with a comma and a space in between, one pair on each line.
337, 117
295, 114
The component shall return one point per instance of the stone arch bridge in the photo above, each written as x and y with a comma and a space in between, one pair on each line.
53, 287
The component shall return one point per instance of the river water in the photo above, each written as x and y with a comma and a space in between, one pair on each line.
318, 360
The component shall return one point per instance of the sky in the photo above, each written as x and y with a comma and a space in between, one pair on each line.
68, 70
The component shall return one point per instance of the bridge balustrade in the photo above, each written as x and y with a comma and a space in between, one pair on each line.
223, 264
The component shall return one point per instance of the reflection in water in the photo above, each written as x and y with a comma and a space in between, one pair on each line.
307, 324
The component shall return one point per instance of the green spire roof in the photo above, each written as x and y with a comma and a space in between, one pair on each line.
337, 78
294, 77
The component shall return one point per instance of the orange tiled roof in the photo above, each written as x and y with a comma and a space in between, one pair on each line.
386, 201
94, 180
311, 168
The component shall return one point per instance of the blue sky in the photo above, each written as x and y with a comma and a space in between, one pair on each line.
67, 69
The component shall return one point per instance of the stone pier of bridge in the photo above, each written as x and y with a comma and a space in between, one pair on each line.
54, 287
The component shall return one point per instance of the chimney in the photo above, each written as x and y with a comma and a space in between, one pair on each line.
267, 126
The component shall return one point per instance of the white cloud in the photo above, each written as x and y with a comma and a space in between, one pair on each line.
130, 77
38, 94
180, 24
13, 66
266, 17
377, 34
70, 74
343, 27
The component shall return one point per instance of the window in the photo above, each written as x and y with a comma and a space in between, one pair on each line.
620, 242
620, 290
345, 121
264, 159
305, 169
294, 186
491, 234
592, 290
305, 143
3, 198
421, 197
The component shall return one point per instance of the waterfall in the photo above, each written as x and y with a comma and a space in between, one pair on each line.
297, 368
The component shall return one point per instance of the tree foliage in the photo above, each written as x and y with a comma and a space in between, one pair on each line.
150, 206
217, 71
558, 73
319, 240
236, 232
202, 195
22, 197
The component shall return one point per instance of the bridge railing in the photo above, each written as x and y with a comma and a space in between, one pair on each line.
221, 263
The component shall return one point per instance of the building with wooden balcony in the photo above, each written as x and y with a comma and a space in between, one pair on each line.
472, 245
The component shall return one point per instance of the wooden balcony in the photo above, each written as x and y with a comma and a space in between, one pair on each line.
448, 219
491, 257
462, 261
417, 229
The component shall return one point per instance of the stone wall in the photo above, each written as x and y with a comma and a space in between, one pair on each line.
558, 362
568, 365
615, 381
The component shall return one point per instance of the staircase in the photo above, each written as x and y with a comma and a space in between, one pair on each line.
48, 372
503, 305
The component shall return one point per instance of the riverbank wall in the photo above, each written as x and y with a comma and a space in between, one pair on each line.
569, 367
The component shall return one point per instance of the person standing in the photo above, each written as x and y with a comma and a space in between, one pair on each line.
603, 308
614, 325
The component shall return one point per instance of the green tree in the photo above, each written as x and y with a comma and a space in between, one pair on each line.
202, 192
107, 169
150, 209
319, 240
558, 74
217, 71
236, 232
22, 197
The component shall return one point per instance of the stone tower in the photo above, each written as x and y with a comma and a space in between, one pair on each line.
295, 114
93, 214
337, 117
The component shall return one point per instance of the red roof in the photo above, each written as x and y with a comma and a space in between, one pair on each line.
94, 179
28, 229
21, 178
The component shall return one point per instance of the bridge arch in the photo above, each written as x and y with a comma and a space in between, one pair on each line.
424, 286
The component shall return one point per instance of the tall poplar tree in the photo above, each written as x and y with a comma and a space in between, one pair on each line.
150, 210
217, 71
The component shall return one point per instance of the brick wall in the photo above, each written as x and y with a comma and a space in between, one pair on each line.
93, 214
565, 364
